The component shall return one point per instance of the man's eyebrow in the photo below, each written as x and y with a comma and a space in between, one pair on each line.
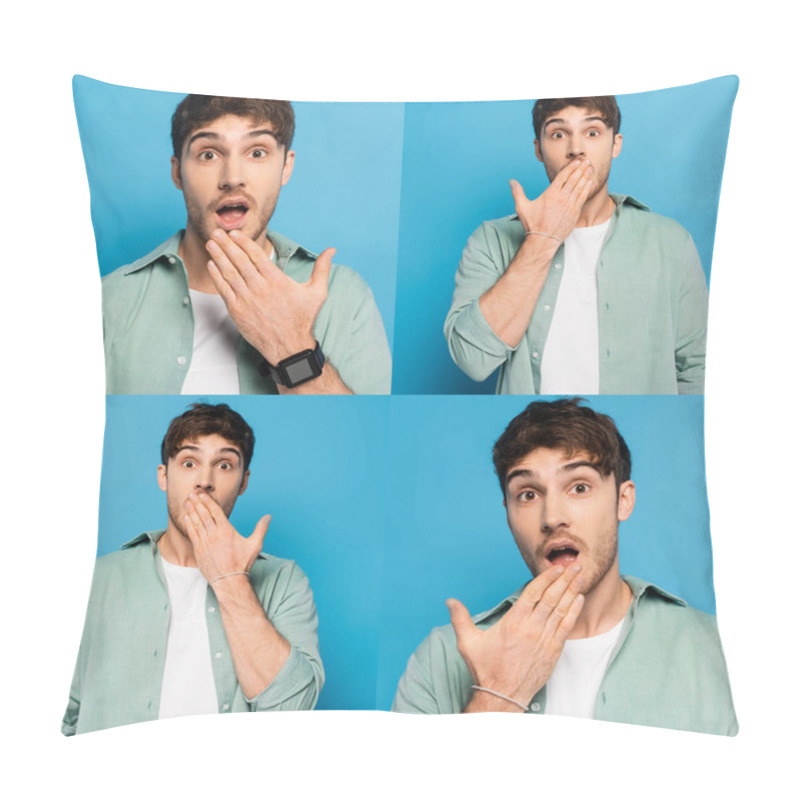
214, 136
594, 118
519, 473
196, 448
573, 465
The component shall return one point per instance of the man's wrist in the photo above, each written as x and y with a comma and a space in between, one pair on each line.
487, 700
296, 369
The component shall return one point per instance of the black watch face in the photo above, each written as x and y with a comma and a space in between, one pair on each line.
300, 371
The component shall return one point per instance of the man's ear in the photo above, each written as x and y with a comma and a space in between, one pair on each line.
244, 483
617, 146
537, 148
288, 166
176, 172
162, 477
626, 500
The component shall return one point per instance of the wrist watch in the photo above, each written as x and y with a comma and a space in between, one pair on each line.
295, 370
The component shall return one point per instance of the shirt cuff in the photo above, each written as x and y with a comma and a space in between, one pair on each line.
294, 688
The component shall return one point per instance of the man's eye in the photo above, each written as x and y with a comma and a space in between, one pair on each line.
259, 153
558, 135
188, 463
581, 488
527, 496
225, 466
593, 133
207, 155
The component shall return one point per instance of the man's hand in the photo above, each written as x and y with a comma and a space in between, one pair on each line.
218, 547
273, 312
557, 209
516, 656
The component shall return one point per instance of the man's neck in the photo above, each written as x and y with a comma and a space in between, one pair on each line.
195, 257
176, 548
604, 606
596, 210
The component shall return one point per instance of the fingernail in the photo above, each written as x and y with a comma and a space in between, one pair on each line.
218, 233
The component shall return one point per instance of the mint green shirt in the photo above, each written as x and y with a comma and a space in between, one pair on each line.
117, 679
666, 670
148, 327
652, 307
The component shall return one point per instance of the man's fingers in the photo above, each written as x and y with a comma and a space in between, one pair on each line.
226, 268
518, 193
460, 618
322, 268
567, 622
259, 532
533, 592
569, 172
554, 593
253, 254
225, 290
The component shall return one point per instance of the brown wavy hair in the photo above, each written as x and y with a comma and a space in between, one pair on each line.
605, 106
203, 419
563, 425
197, 110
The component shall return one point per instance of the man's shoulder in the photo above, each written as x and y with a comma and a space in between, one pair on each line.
298, 262
637, 214
667, 613
165, 251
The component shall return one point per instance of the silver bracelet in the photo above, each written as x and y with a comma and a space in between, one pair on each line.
501, 696
226, 575
548, 235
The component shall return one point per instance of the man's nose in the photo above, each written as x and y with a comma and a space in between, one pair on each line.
232, 174
576, 147
205, 479
554, 514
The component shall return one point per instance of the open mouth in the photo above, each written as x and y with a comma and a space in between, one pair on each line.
562, 555
231, 215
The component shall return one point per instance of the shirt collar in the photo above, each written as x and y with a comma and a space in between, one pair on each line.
285, 248
638, 586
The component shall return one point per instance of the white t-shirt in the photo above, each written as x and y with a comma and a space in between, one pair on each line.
216, 343
188, 684
571, 357
574, 683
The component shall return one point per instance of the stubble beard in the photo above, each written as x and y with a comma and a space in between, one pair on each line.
602, 557
202, 222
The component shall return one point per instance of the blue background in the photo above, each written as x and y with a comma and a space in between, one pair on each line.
344, 192
390, 505
458, 159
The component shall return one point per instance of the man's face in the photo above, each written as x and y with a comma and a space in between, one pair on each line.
561, 509
574, 132
231, 173
208, 464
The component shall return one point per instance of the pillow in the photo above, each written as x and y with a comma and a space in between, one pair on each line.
385, 507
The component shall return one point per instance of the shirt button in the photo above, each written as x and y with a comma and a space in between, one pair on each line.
225, 706
547, 308
186, 301
218, 656
535, 707
181, 360
171, 259
211, 609
558, 266
535, 355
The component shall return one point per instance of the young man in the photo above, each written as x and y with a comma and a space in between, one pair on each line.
579, 639
195, 619
228, 306
580, 291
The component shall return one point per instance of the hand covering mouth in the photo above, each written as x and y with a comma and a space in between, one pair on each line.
562, 554
231, 213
